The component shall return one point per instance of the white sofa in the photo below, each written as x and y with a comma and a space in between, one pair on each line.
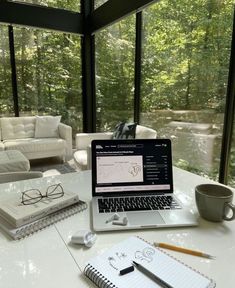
82, 156
18, 133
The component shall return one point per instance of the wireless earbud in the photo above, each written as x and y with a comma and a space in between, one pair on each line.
122, 223
115, 216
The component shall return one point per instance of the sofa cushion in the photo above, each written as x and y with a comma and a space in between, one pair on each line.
17, 127
31, 145
47, 126
124, 131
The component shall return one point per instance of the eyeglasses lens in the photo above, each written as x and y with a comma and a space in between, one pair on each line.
55, 191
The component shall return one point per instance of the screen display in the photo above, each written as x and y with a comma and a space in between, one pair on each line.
120, 166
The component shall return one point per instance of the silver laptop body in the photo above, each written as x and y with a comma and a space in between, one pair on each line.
127, 174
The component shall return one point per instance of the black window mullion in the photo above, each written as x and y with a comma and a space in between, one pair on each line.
88, 70
138, 48
13, 70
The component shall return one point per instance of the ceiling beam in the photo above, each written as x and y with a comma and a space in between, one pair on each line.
40, 17
114, 10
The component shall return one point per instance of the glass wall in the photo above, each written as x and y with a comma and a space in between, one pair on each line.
115, 50
186, 50
185, 61
49, 74
6, 97
73, 5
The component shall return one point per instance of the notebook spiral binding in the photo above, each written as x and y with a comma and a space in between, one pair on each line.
50, 219
97, 278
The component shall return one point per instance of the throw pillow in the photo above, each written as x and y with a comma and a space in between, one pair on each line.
124, 131
47, 126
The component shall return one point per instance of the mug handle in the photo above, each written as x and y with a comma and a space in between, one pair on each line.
232, 207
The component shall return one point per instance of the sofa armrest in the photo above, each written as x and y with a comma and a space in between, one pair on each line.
143, 132
83, 140
65, 132
89, 157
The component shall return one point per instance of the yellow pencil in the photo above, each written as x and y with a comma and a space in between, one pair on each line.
183, 250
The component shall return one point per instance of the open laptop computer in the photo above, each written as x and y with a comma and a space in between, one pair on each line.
134, 179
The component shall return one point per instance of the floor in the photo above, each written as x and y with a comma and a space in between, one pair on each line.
53, 166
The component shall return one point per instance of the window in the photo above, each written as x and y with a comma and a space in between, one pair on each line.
115, 48
49, 74
186, 50
6, 97
184, 74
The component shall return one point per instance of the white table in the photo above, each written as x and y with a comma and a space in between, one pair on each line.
48, 259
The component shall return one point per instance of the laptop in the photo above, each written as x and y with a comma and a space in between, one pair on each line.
132, 186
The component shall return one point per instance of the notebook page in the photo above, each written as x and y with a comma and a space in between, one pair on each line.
117, 258
176, 273
167, 268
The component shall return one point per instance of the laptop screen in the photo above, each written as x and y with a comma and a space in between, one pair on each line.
137, 166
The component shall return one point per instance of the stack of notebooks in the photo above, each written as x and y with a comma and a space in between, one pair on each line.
19, 220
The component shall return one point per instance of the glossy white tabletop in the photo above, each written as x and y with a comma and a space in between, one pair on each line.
49, 257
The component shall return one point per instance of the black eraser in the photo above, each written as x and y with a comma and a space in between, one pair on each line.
127, 270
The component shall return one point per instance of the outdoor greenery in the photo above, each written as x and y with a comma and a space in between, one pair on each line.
186, 54
115, 60
189, 80
48, 74
73, 5
185, 62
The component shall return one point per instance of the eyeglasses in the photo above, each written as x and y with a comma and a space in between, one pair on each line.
33, 196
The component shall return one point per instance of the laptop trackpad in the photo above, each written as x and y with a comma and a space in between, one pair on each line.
145, 218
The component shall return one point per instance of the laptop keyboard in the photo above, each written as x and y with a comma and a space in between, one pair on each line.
122, 204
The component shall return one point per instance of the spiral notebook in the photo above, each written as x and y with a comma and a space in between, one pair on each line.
28, 229
104, 270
